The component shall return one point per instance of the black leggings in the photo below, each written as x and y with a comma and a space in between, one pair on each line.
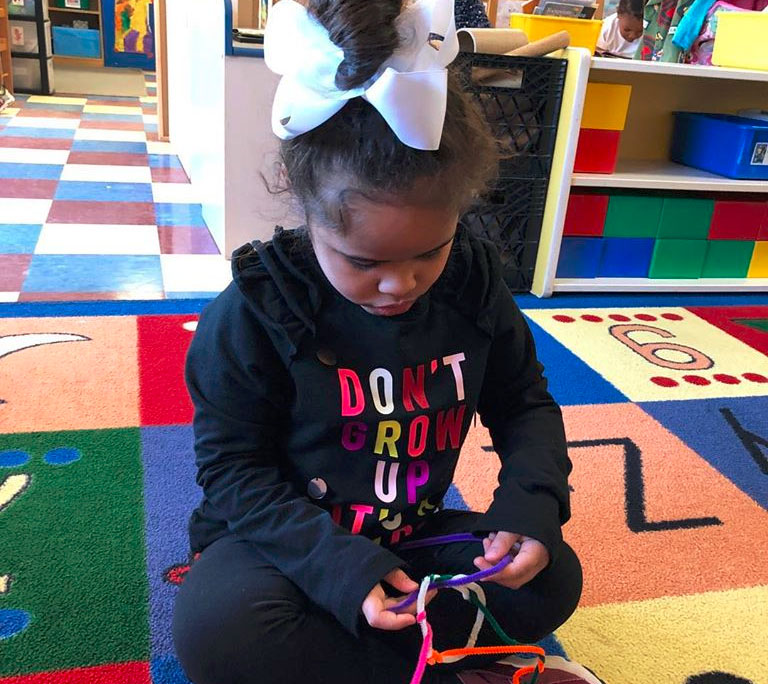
238, 620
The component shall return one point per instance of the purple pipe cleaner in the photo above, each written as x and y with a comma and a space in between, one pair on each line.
436, 541
446, 584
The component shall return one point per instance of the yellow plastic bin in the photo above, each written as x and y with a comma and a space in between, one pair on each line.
584, 32
740, 40
605, 106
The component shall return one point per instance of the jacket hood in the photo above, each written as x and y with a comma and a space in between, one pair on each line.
278, 280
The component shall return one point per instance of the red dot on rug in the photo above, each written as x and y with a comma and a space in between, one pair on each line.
696, 380
564, 319
755, 377
664, 382
619, 317
726, 379
672, 317
591, 318
645, 317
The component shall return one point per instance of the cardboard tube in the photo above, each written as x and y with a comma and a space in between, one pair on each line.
491, 41
557, 41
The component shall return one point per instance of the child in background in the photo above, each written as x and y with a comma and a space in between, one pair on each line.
335, 379
622, 32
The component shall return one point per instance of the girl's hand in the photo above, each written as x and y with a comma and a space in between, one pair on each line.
377, 605
529, 558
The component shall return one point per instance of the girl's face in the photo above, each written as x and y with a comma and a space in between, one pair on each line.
630, 27
388, 256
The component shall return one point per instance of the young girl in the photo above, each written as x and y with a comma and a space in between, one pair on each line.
622, 32
336, 378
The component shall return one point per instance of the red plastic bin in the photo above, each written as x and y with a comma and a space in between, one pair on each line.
762, 233
739, 220
586, 214
597, 151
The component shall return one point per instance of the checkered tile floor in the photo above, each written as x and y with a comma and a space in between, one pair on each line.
92, 206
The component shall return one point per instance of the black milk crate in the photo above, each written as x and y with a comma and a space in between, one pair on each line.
523, 117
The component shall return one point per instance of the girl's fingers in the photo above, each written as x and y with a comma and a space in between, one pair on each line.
389, 621
499, 548
391, 602
528, 560
503, 543
400, 581
517, 577
483, 564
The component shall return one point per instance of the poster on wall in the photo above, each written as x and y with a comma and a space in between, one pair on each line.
133, 32
129, 37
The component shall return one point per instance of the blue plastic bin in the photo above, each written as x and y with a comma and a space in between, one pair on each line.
732, 146
626, 257
579, 257
73, 42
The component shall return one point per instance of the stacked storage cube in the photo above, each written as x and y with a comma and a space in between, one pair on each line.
603, 120
25, 38
740, 223
31, 46
633, 235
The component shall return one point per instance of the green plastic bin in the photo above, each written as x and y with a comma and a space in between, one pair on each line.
728, 259
686, 218
678, 258
633, 216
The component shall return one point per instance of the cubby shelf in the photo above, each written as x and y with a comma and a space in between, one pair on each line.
72, 11
658, 89
64, 16
665, 175
669, 69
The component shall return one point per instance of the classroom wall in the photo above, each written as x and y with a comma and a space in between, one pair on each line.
196, 97
251, 154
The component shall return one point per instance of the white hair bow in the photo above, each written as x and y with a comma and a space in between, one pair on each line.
409, 90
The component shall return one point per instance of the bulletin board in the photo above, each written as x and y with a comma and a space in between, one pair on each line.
129, 33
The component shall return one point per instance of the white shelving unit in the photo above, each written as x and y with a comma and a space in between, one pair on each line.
668, 69
660, 284
652, 174
657, 90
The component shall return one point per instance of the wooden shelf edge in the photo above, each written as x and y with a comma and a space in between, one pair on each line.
685, 70
73, 11
78, 61
664, 175
660, 285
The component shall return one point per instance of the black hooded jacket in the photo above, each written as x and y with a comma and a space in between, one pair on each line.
325, 435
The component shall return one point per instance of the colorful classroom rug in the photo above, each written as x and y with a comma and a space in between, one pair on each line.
665, 403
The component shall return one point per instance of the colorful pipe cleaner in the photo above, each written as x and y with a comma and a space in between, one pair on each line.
471, 591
